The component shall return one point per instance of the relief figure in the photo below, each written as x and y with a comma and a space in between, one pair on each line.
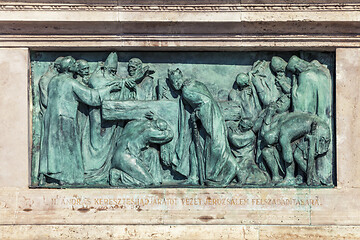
289, 129
60, 156
100, 136
135, 162
215, 159
311, 93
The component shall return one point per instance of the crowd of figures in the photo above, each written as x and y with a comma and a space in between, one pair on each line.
274, 130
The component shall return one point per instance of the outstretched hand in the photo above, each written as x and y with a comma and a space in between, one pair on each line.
114, 86
130, 83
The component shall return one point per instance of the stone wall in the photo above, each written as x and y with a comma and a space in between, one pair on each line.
263, 213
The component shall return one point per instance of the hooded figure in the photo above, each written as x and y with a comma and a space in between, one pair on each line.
311, 93
311, 87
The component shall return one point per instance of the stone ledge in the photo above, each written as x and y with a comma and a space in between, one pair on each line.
178, 232
178, 42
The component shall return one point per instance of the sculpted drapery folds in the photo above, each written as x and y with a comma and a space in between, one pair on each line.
310, 93
60, 156
216, 157
183, 126
134, 162
101, 136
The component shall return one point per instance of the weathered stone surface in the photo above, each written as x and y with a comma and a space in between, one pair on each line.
339, 207
308, 232
14, 117
166, 206
347, 117
178, 232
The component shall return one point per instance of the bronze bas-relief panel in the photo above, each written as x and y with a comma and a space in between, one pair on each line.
182, 119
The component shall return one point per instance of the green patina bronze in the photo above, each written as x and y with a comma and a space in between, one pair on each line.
183, 119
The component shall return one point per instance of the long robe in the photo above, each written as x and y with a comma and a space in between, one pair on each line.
248, 101
264, 82
145, 90
100, 136
43, 88
216, 152
60, 153
313, 92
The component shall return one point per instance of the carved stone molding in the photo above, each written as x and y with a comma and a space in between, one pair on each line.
182, 8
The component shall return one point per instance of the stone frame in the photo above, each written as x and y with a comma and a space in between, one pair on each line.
323, 26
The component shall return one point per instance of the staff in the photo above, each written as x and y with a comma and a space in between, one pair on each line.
197, 148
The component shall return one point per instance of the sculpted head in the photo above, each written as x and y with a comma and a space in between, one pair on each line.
278, 65
57, 63
162, 127
82, 68
242, 80
282, 104
322, 136
297, 65
66, 64
134, 65
111, 63
176, 78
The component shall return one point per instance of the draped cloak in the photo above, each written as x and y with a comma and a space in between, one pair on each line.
216, 150
60, 153
313, 91
99, 137
313, 96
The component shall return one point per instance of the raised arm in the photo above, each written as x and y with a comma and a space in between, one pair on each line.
92, 97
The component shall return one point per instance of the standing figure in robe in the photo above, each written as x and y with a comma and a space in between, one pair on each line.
100, 136
220, 166
145, 86
44, 83
52, 71
60, 153
311, 87
242, 133
82, 75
